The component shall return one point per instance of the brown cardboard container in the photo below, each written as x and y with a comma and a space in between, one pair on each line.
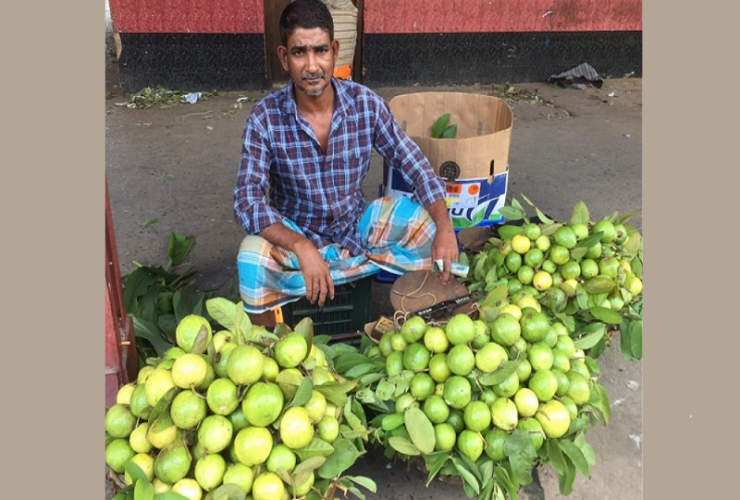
484, 125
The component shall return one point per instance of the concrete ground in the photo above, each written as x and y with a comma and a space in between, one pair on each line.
178, 166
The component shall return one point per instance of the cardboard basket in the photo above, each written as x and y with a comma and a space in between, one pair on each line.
475, 163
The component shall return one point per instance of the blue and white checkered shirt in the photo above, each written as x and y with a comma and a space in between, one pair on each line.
322, 192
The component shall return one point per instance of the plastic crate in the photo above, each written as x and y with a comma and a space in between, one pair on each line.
342, 318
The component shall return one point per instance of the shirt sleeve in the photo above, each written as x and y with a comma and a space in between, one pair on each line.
404, 154
253, 178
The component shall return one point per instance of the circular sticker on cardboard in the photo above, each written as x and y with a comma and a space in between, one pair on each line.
449, 170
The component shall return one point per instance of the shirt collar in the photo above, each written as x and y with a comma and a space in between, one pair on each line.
344, 105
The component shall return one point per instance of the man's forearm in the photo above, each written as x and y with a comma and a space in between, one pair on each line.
440, 215
283, 237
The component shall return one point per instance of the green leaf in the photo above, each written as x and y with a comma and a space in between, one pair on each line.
591, 240
507, 232
502, 477
500, 374
512, 213
486, 470
167, 324
228, 491
420, 429
302, 394
178, 248
346, 361
336, 392
434, 463
360, 370
466, 474
576, 456
223, 311
568, 321
146, 330
291, 378
636, 339
370, 378
632, 246
163, 405
365, 482
522, 455
599, 284
601, 402
343, 458
636, 265
304, 469
439, 125
597, 331
403, 445
549, 229
565, 481
580, 214
385, 389
144, 490
317, 447
599, 348
170, 495
200, 343
187, 300
449, 132
136, 285
540, 215
555, 454
356, 492
135, 471
606, 315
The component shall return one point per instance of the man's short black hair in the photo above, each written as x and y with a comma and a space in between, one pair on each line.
305, 14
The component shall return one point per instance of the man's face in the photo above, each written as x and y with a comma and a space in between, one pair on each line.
309, 59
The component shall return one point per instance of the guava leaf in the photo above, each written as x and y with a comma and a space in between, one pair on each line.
302, 394
315, 448
365, 482
147, 330
439, 125
503, 478
343, 458
507, 232
590, 241
167, 324
486, 471
370, 378
522, 455
636, 265
595, 331
600, 400
144, 490
163, 405
599, 348
420, 429
568, 321
580, 214
576, 456
434, 463
223, 311
606, 315
353, 413
360, 370
385, 389
636, 339
540, 215
549, 229
555, 455
136, 285
599, 284
200, 343
179, 247
449, 132
171, 495
292, 378
500, 374
187, 300
346, 361
135, 471
305, 328
593, 366
565, 481
228, 491
512, 213
403, 445
581, 297
578, 253
496, 295
466, 474
284, 475
304, 469
336, 392
632, 246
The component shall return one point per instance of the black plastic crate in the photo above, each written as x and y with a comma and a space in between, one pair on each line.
342, 318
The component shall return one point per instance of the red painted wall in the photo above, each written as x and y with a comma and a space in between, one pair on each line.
188, 16
466, 16
388, 16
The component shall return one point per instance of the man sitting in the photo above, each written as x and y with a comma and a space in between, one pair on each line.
310, 144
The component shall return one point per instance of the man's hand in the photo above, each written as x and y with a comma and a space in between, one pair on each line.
319, 284
444, 246
315, 270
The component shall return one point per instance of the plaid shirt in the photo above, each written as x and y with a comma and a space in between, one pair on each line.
322, 192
